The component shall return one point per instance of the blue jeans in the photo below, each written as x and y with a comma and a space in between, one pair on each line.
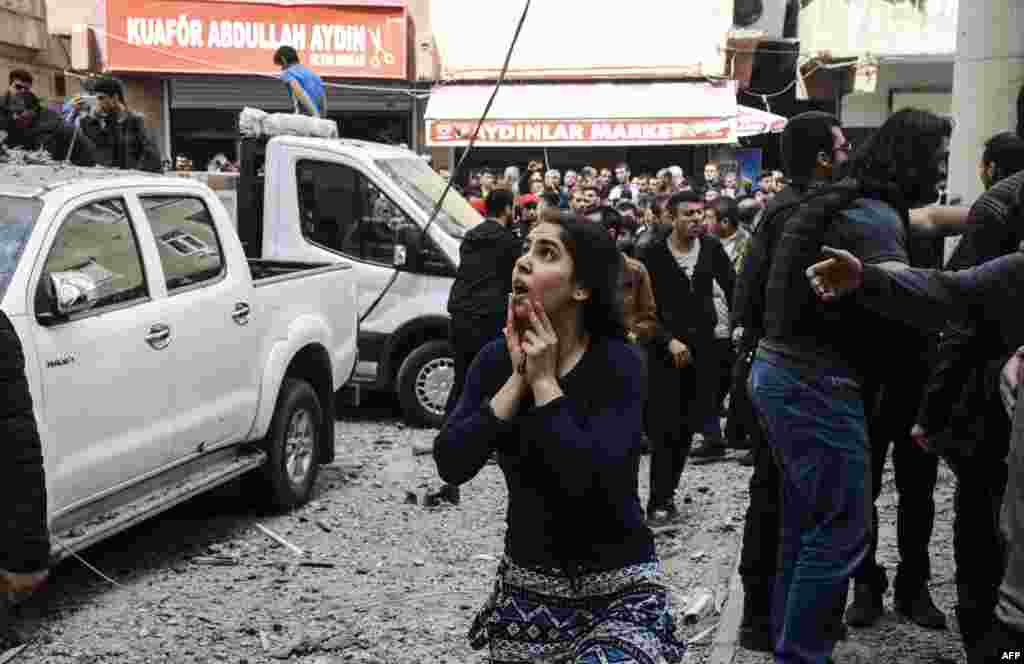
815, 426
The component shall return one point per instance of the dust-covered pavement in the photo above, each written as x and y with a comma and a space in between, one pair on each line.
385, 580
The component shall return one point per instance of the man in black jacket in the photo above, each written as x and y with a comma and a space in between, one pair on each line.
24, 537
813, 144
119, 134
478, 300
682, 367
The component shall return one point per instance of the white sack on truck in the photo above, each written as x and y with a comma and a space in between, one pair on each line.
254, 122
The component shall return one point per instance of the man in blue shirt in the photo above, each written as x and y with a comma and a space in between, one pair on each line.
305, 87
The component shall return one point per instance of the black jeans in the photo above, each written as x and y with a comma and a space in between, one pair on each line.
760, 550
741, 422
916, 471
468, 336
978, 546
669, 426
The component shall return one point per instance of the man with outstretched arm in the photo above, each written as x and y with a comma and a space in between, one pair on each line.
926, 298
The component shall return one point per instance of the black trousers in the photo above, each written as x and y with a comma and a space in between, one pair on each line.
760, 549
725, 355
916, 471
978, 546
741, 422
468, 335
669, 422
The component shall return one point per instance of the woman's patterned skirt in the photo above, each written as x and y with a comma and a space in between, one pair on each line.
543, 616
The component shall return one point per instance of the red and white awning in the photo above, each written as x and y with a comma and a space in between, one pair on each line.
588, 114
754, 121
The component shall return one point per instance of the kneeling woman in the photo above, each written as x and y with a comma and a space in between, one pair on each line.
559, 400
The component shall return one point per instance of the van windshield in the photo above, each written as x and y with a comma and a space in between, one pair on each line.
424, 186
17, 218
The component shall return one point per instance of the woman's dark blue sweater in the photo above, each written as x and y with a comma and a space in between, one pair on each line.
571, 465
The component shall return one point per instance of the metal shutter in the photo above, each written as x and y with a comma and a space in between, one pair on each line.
237, 92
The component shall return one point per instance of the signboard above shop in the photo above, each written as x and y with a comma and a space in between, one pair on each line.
594, 115
344, 40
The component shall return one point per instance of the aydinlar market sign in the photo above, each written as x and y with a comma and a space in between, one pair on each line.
219, 37
667, 131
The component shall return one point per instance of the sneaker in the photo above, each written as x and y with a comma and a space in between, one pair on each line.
921, 610
866, 608
707, 451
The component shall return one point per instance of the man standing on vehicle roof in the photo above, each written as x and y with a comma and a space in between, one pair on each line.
304, 86
25, 538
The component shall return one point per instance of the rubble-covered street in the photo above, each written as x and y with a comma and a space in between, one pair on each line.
385, 580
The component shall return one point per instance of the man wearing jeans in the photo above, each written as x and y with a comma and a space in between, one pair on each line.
809, 368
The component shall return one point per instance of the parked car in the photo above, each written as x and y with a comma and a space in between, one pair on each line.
161, 360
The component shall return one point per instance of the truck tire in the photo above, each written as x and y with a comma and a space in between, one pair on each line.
424, 381
292, 443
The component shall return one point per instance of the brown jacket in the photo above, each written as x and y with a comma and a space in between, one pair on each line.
638, 300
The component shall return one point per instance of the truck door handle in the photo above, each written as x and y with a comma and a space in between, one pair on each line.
159, 336
241, 313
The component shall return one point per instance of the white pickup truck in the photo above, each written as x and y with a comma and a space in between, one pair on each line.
162, 361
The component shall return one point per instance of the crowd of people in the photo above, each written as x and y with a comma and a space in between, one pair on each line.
600, 316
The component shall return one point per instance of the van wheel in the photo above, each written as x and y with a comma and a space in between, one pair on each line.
424, 382
291, 445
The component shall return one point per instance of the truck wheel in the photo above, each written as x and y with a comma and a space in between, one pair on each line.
291, 445
424, 382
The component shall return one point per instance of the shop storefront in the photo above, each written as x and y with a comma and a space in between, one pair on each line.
202, 61
648, 125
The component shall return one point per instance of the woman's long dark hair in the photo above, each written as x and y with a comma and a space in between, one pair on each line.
898, 159
598, 267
